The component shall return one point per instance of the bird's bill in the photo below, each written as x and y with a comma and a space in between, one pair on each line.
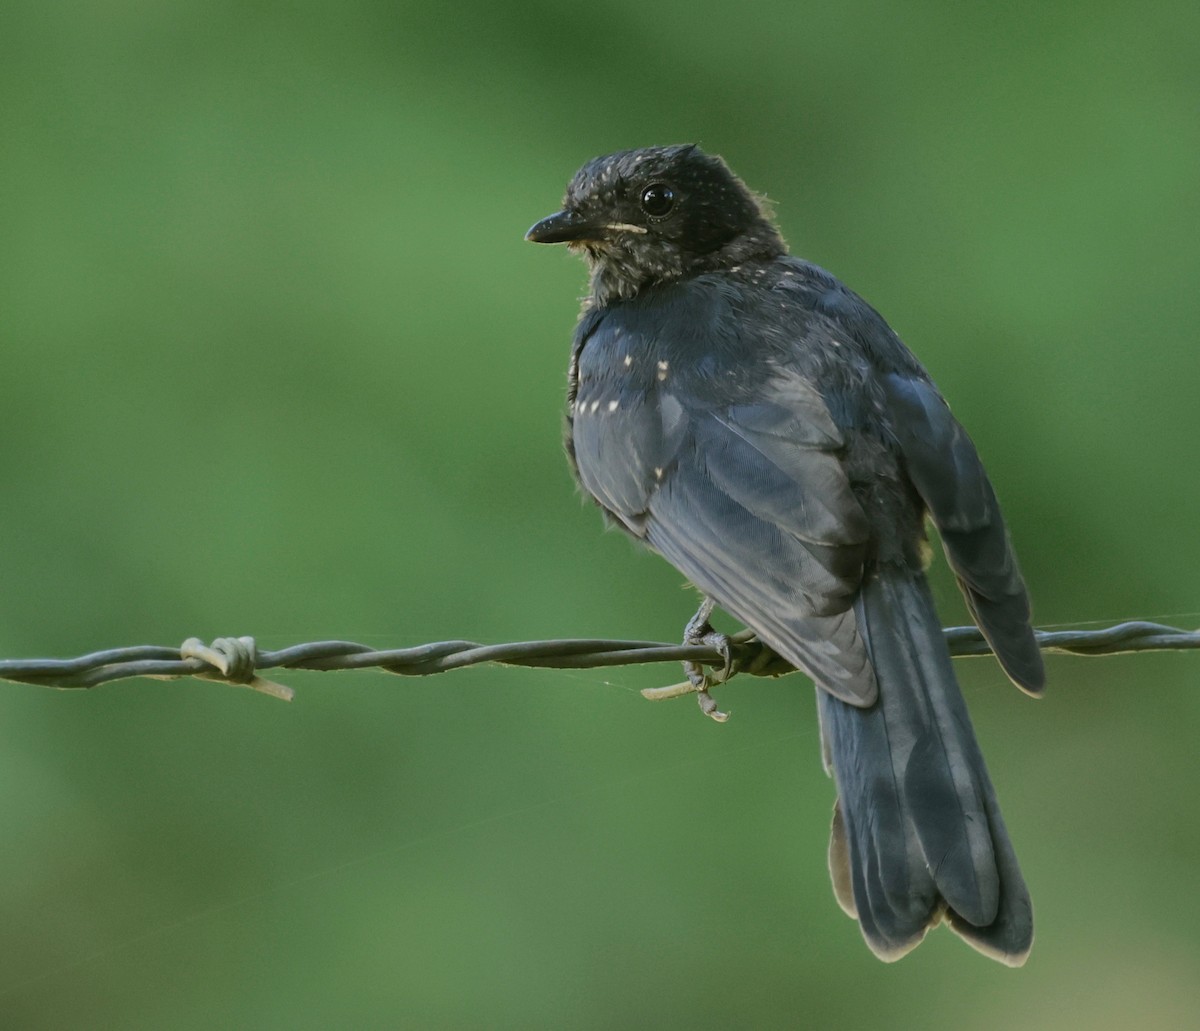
562, 227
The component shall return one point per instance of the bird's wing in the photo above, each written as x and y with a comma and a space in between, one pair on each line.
756, 510
945, 468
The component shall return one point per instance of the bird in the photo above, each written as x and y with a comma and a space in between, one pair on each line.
747, 416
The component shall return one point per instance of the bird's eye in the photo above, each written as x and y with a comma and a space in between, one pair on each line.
657, 200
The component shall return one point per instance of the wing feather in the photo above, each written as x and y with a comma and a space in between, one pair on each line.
773, 533
945, 468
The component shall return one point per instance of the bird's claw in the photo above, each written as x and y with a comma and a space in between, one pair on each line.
699, 631
708, 706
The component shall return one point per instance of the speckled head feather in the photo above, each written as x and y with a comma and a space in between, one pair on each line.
656, 214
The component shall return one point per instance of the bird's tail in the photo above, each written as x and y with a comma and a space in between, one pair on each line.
917, 833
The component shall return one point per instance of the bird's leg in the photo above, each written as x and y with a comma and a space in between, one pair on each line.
699, 631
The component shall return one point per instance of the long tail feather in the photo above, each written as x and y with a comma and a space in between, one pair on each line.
917, 833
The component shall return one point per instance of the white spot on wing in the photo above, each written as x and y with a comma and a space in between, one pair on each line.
612, 405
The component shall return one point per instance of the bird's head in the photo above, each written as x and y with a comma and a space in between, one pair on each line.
649, 216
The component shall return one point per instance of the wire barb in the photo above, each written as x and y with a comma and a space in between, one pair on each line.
238, 661
235, 659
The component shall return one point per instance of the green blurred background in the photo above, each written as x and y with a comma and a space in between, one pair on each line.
276, 361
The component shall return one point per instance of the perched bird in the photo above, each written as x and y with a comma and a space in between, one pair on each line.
758, 424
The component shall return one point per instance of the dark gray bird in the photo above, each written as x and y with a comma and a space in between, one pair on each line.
759, 425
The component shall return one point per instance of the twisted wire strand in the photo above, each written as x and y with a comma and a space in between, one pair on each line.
238, 661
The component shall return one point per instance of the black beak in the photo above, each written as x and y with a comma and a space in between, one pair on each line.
562, 227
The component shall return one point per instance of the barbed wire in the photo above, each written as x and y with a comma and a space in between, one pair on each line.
238, 660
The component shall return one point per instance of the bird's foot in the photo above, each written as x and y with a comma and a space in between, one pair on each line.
699, 631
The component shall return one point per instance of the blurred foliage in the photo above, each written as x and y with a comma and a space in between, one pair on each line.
278, 362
